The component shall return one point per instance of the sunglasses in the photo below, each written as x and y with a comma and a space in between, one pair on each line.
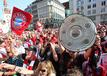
43, 70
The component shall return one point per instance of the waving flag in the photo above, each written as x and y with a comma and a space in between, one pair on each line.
20, 20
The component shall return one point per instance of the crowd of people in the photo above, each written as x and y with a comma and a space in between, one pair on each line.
41, 54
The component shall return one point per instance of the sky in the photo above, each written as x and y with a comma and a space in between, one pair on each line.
22, 4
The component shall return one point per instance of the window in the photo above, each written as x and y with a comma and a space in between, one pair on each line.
92, 18
94, 11
82, 7
82, 2
94, 5
103, 17
89, 12
89, 0
103, 3
103, 10
89, 6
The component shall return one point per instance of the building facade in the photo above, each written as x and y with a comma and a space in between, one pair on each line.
68, 12
94, 9
50, 12
29, 9
73, 4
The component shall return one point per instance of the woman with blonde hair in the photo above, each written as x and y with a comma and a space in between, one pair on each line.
45, 68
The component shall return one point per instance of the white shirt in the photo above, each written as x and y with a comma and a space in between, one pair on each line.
20, 50
2, 51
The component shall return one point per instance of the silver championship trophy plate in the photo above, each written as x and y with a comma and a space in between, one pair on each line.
77, 33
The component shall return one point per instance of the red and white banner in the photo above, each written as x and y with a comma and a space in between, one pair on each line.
20, 20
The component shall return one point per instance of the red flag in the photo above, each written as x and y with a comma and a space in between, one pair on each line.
20, 20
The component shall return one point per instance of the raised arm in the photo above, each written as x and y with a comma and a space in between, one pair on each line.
55, 56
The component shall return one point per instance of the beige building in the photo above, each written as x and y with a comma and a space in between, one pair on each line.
94, 9
50, 12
